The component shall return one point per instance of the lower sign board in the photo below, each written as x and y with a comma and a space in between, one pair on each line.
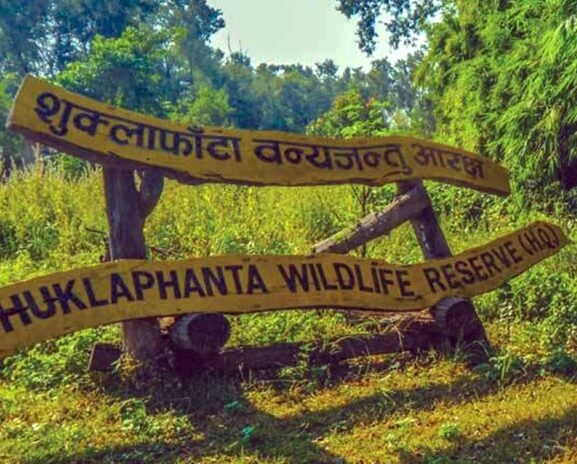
53, 305
93, 130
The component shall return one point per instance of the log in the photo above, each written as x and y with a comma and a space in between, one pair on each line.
404, 334
405, 206
413, 335
202, 333
458, 319
127, 209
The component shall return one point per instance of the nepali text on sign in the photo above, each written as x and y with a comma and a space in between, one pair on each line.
100, 132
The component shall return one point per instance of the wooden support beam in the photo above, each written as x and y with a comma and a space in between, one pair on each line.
456, 316
411, 334
426, 226
405, 206
416, 335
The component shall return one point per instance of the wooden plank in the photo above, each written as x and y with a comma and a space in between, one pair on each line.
92, 130
403, 208
61, 303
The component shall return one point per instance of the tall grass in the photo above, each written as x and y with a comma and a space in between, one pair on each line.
52, 221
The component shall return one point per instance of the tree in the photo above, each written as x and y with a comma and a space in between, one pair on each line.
238, 76
411, 108
403, 18
301, 96
506, 86
207, 107
192, 63
168, 53
9, 142
127, 71
45, 37
42, 37
352, 116
140, 54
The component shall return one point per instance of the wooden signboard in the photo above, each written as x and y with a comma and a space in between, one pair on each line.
102, 133
61, 303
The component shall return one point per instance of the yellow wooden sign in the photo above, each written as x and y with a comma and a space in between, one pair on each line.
57, 304
100, 132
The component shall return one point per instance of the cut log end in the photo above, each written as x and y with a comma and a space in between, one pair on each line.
458, 319
203, 333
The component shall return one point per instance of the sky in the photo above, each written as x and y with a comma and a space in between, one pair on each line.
293, 31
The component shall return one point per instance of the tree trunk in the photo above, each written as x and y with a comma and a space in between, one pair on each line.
127, 208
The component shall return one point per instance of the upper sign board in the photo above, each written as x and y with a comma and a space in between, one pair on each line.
99, 132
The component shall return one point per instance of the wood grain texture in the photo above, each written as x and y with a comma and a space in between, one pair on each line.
127, 208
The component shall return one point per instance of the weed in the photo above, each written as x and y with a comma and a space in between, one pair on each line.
503, 368
450, 431
559, 362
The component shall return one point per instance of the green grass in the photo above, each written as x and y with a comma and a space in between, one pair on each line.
519, 407
423, 410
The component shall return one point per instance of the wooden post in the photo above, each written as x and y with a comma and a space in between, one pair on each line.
426, 226
127, 208
456, 316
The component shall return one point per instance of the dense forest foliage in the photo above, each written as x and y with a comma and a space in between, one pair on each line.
155, 57
501, 76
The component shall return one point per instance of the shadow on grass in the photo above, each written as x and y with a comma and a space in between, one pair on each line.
522, 442
218, 410
157, 452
